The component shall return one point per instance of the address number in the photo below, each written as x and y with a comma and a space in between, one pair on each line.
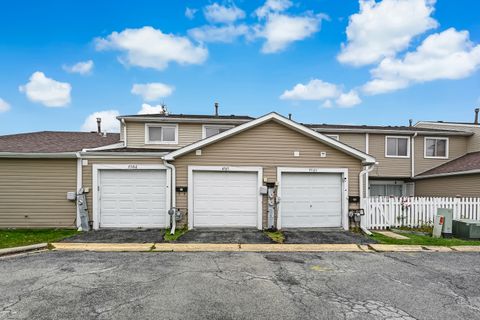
225, 168
312, 170
132, 166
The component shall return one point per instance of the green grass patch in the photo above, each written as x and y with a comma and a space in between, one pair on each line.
276, 236
172, 237
426, 228
23, 237
424, 240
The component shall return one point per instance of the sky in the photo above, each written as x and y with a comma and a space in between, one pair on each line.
64, 63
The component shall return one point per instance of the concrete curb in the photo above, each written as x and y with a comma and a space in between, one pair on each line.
105, 247
14, 250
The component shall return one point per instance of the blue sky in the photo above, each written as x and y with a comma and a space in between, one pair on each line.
324, 61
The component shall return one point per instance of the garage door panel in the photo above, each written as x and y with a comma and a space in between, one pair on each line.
311, 199
225, 199
132, 198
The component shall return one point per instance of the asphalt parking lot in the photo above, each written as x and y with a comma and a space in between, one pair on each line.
95, 285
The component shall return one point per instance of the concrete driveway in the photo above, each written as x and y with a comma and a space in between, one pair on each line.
88, 285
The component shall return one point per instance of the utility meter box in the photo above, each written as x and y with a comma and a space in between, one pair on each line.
71, 196
447, 222
466, 228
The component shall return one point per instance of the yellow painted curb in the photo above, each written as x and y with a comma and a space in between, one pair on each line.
102, 246
437, 248
395, 248
466, 248
300, 248
195, 247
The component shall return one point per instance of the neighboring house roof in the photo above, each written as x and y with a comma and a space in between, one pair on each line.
171, 117
124, 149
280, 119
382, 129
469, 163
54, 142
449, 123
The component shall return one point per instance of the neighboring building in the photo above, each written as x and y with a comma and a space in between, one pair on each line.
225, 171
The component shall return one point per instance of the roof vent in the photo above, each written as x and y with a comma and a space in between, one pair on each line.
410, 122
289, 116
216, 109
476, 116
99, 125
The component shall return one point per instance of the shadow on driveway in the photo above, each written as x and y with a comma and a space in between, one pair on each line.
302, 236
224, 235
119, 236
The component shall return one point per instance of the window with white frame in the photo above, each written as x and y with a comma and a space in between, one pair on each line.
436, 147
333, 136
397, 147
390, 188
211, 130
161, 134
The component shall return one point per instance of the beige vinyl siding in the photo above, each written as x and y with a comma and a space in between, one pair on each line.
33, 193
187, 134
457, 147
269, 145
473, 142
387, 167
449, 186
355, 140
87, 172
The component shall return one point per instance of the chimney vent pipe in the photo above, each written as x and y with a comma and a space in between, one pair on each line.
476, 115
289, 116
99, 125
410, 122
216, 109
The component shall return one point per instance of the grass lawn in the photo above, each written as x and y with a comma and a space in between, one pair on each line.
22, 237
172, 237
424, 240
276, 236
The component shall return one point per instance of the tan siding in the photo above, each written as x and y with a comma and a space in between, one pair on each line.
187, 134
356, 140
387, 167
473, 142
87, 172
451, 186
270, 145
33, 192
457, 148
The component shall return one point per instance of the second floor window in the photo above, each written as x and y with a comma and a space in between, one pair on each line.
159, 134
397, 147
211, 130
436, 147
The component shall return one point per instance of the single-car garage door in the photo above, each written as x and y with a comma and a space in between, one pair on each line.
132, 198
311, 200
225, 199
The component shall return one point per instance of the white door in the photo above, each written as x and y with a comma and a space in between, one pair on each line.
311, 200
225, 199
132, 198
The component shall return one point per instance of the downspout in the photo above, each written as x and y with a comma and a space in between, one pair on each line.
173, 199
79, 186
124, 132
412, 171
365, 171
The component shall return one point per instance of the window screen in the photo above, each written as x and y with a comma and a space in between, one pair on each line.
397, 147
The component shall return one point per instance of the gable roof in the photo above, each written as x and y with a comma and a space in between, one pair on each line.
469, 163
54, 142
282, 120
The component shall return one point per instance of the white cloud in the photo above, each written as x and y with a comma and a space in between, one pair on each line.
225, 33
216, 13
271, 6
190, 13
327, 104
47, 91
109, 121
149, 109
4, 105
151, 48
281, 30
381, 29
82, 67
446, 55
348, 99
152, 91
314, 90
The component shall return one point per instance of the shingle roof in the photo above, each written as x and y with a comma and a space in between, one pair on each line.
123, 149
470, 161
185, 116
55, 141
386, 128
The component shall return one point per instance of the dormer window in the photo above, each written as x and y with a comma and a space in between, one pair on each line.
211, 130
161, 134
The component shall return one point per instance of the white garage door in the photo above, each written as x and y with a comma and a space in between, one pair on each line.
225, 199
132, 198
311, 200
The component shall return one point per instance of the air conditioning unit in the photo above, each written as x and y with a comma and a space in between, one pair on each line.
466, 228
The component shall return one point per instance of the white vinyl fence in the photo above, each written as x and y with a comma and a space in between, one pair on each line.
387, 212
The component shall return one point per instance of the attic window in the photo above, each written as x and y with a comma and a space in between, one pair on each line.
161, 134
211, 130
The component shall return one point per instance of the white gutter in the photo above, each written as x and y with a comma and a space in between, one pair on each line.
173, 193
412, 171
124, 132
79, 186
93, 155
457, 173
366, 171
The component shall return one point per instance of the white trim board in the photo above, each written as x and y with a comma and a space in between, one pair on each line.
191, 169
95, 174
343, 171
280, 119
